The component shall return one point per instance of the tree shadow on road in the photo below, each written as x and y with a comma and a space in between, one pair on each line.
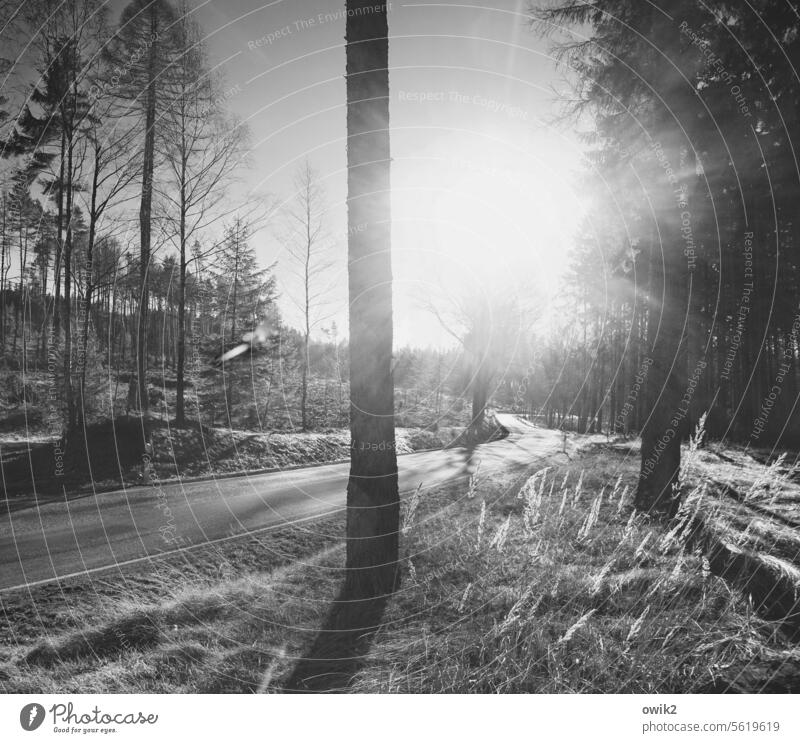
341, 647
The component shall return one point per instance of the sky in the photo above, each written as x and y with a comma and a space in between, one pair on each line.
486, 187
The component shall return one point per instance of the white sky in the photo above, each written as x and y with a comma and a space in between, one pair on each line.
484, 185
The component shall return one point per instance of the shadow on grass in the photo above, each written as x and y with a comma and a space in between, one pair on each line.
340, 649
342, 645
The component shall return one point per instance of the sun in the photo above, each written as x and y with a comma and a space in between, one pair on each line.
475, 210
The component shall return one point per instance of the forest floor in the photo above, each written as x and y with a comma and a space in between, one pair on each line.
199, 452
533, 579
212, 451
195, 451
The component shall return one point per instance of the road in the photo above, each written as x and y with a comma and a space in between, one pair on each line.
53, 541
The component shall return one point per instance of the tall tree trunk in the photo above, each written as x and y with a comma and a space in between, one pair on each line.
304, 383
20, 308
234, 308
87, 300
180, 407
3, 245
71, 422
145, 211
666, 383
17, 308
59, 240
373, 501
666, 420
307, 335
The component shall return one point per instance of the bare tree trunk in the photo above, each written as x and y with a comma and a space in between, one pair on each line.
234, 308
59, 241
19, 328
373, 502
307, 286
87, 300
180, 410
306, 340
145, 212
304, 385
666, 422
660, 458
71, 422
3, 244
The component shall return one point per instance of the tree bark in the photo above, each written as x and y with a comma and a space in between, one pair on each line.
3, 243
307, 335
373, 502
180, 412
68, 393
145, 211
666, 423
666, 383
87, 299
59, 240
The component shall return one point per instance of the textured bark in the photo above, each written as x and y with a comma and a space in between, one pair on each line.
180, 412
180, 407
373, 503
666, 422
59, 238
145, 211
87, 302
307, 313
68, 391
3, 240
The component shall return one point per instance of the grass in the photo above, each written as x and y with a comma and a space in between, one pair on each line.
212, 622
190, 452
561, 588
537, 580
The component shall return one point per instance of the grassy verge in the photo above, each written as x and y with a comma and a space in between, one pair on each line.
560, 588
213, 451
520, 581
211, 619
183, 453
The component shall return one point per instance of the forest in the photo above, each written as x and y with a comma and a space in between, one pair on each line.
608, 474
88, 200
123, 256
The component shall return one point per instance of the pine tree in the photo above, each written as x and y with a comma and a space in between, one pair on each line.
244, 298
142, 53
202, 148
638, 73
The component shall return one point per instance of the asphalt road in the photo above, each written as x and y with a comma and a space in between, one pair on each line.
50, 541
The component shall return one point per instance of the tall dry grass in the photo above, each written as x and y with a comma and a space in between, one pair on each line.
559, 586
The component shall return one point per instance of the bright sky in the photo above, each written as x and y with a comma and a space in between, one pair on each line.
484, 185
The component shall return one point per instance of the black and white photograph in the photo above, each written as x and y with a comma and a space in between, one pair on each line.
400, 349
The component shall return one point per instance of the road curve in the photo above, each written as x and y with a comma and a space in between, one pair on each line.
53, 541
